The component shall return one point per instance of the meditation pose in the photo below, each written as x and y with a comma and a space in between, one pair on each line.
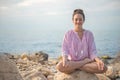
78, 49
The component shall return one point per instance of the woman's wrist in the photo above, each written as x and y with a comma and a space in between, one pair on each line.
65, 58
87, 60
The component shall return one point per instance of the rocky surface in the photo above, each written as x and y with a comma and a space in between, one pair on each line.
39, 66
115, 63
36, 66
8, 69
77, 75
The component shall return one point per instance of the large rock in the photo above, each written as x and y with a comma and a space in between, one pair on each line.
77, 75
39, 57
43, 56
116, 66
8, 69
33, 75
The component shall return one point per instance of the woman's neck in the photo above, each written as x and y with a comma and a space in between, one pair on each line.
79, 30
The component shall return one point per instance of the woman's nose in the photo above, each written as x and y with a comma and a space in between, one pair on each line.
78, 21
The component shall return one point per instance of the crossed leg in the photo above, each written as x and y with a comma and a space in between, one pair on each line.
73, 65
93, 68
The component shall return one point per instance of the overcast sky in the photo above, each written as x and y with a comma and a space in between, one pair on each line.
34, 16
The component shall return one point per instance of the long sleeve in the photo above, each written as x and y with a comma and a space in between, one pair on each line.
92, 47
65, 50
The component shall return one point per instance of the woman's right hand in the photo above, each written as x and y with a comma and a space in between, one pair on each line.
65, 61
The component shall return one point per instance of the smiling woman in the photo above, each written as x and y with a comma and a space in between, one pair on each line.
79, 50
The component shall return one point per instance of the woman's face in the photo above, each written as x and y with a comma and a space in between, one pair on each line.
78, 20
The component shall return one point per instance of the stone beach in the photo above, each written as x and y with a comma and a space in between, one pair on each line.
38, 66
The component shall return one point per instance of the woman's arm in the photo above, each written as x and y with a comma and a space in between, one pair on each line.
85, 61
65, 59
91, 46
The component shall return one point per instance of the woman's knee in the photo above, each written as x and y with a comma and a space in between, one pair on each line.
59, 66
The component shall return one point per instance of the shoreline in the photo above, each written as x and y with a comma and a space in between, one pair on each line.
99, 54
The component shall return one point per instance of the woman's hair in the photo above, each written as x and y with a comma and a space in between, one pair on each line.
78, 11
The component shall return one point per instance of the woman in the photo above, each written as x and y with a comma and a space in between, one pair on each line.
78, 49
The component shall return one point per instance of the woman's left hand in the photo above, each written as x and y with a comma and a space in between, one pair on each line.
100, 64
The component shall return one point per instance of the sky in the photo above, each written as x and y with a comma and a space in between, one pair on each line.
30, 18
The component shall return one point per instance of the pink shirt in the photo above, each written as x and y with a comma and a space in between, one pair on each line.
77, 49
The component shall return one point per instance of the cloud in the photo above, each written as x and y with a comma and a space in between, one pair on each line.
3, 8
108, 6
33, 2
53, 7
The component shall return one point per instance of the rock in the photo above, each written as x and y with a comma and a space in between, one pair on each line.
106, 57
17, 57
77, 75
52, 61
118, 73
10, 56
42, 55
45, 71
105, 61
59, 58
34, 75
102, 77
118, 79
21, 61
8, 69
116, 63
116, 69
24, 56
50, 77
39, 57
117, 59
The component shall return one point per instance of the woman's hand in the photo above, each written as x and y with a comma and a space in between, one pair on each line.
87, 60
99, 63
65, 61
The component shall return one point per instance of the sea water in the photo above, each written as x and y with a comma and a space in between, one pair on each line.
107, 42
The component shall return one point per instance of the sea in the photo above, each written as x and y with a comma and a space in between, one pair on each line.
107, 42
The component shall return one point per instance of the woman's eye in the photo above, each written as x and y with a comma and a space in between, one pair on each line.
78, 19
